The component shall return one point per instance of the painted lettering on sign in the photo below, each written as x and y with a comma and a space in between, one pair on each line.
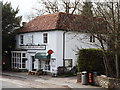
41, 47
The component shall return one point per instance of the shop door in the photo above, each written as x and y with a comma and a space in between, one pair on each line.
33, 59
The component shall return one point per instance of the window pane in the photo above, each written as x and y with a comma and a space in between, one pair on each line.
15, 64
23, 55
14, 54
23, 65
21, 39
68, 62
45, 37
12, 60
93, 38
23, 60
90, 38
20, 65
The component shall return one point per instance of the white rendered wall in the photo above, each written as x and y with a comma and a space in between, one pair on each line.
75, 41
59, 48
38, 39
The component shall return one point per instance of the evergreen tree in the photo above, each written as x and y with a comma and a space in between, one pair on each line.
10, 21
87, 9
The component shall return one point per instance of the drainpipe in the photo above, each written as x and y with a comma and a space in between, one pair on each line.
64, 48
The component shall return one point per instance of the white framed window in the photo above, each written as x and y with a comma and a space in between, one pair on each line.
92, 38
45, 38
19, 60
24, 62
30, 39
21, 39
23, 54
68, 62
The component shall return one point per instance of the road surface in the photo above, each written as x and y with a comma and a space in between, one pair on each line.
14, 82
6, 84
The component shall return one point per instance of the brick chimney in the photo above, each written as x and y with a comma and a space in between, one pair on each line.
23, 23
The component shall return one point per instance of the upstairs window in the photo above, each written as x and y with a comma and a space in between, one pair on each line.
45, 38
30, 39
92, 38
21, 39
23, 54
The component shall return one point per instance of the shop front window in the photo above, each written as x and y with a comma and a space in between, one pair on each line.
23, 62
18, 60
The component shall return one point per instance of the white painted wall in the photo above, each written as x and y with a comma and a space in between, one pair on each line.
73, 41
38, 39
59, 48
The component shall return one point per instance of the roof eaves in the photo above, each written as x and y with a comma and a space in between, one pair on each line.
39, 31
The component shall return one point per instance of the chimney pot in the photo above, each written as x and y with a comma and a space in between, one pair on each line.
23, 23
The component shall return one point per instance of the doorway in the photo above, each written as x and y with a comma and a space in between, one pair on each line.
33, 59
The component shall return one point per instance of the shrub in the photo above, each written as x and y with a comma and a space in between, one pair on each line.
63, 71
90, 60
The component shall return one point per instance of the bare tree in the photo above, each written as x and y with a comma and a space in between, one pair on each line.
105, 26
71, 7
48, 6
110, 12
53, 6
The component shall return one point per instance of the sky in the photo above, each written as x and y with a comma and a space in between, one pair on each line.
25, 6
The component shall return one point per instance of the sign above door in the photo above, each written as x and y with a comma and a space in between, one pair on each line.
40, 47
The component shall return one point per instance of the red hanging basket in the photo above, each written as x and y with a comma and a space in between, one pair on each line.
50, 51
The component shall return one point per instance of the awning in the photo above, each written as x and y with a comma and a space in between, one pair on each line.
41, 56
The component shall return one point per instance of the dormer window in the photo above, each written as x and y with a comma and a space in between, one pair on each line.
21, 39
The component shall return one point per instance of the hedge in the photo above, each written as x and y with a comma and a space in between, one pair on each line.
90, 60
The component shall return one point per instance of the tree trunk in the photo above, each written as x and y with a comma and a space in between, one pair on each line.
117, 66
109, 71
116, 59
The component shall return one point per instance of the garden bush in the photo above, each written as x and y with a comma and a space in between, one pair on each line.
90, 60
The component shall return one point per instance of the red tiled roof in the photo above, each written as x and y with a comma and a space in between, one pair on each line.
56, 21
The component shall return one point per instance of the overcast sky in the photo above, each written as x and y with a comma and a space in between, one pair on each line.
25, 6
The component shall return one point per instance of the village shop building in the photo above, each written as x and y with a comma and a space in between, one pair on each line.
50, 41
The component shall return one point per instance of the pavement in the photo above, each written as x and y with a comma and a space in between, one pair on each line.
70, 82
